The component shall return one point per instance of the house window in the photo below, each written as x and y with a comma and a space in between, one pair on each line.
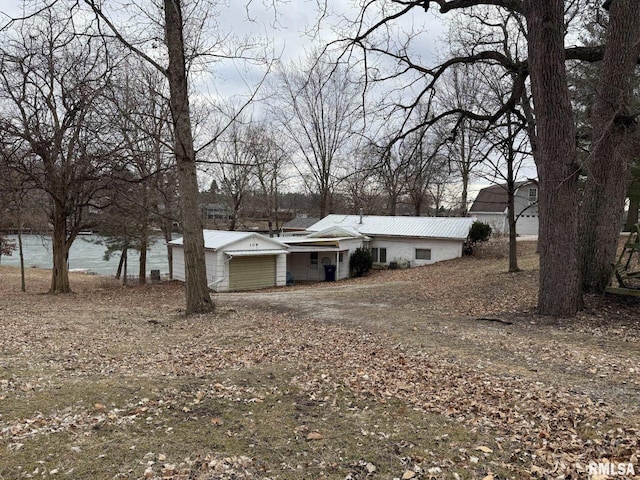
423, 254
533, 195
340, 257
313, 258
379, 255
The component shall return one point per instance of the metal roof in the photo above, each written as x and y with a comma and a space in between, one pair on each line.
300, 223
313, 248
455, 228
217, 239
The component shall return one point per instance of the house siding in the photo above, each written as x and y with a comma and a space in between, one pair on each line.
497, 221
178, 263
404, 250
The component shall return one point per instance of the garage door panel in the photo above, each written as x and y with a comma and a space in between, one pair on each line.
249, 273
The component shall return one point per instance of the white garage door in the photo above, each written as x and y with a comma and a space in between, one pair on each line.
527, 225
252, 272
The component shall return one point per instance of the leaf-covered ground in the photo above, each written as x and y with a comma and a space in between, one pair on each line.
436, 372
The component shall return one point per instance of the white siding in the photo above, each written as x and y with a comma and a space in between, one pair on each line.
402, 250
497, 221
178, 263
211, 260
352, 246
281, 270
221, 282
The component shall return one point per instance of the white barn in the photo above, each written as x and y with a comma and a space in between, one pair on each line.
237, 261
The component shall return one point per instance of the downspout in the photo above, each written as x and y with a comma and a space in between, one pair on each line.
221, 279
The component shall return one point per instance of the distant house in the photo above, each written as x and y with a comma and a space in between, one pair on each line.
237, 260
299, 224
490, 206
410, 241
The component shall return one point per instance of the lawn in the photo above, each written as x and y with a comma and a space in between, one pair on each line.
434, 372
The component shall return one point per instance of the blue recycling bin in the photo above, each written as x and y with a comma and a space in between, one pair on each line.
329, 273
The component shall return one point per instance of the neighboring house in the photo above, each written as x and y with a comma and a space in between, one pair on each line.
299, 225
237, 261
490, 206
409, 241
216, 211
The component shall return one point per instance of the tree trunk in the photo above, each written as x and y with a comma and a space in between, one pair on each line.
60, 271
23, 286
611, 153
511, 192
324, 202
142, 270
124, 268
511, 216
123, 255
198, 299
465, 194
144, 237
556, 158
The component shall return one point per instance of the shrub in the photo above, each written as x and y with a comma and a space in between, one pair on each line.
360, 262
479, 232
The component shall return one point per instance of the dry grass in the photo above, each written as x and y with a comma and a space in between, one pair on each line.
394, 374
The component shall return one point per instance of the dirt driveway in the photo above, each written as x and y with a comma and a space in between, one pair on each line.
465, 320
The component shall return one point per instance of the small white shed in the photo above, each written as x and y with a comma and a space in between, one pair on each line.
237, 261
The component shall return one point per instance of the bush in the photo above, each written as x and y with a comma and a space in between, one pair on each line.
479, 232
360, 262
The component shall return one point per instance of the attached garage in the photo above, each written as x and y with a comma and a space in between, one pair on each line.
238, 261
251, 273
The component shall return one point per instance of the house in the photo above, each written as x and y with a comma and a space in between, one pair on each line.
248, 261
411, 241
490, 206
331, 247
237, 260
299, 225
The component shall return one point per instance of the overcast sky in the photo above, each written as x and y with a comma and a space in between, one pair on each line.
290, 30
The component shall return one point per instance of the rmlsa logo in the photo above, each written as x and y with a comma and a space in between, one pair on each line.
611, 469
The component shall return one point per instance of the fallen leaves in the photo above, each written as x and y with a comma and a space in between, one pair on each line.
549, 429
315, 436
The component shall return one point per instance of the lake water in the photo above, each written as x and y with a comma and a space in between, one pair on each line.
85, 254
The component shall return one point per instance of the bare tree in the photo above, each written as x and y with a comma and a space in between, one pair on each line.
463, 90
387, 163
142, 117
270, 159
235, 168
360, 187
51, 81
317, 103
